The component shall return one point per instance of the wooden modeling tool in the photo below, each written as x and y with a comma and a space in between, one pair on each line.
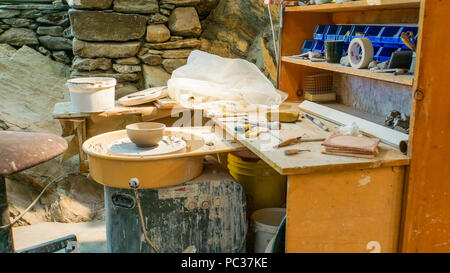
297, 140
294, 151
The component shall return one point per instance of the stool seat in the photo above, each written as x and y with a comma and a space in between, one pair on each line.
23, 150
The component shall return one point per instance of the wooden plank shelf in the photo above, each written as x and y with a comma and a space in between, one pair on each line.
361, 5
387, 77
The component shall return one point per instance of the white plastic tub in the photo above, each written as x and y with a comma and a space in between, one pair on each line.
265, 223
90, 95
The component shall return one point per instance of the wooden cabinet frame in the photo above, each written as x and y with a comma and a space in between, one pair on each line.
426, 201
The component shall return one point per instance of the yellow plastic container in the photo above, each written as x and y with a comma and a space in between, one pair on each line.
264, 187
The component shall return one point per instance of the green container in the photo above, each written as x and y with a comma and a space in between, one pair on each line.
333, 51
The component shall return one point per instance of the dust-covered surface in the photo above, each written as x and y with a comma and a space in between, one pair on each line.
31, 84
91, 236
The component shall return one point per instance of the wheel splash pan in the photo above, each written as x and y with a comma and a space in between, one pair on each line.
115, 170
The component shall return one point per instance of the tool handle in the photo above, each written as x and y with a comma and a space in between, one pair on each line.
288, 142
295, 151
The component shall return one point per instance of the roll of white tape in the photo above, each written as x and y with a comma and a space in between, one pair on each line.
360, 52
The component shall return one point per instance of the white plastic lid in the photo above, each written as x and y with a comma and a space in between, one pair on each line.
91, 82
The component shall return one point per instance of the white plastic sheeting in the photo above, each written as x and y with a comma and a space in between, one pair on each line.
208, 80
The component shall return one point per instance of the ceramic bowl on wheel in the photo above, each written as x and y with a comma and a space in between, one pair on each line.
146, 134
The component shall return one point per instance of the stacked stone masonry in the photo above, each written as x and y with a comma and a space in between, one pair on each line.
114, 37
44, 27
163, 34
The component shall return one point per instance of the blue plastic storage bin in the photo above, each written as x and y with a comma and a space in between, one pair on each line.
356, 31
318, 47
391, 35
385, 38
343, 29
383, 54
373, 33
332, 32
319, 33
307, 46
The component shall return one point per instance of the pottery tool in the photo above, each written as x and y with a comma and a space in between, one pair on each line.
317, 122
297, 140
226, 115
408, 40
274, 125
242, 129
255, 132
287, 142
399, 71
294, 151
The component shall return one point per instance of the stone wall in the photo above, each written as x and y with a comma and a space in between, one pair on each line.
163, 34
241, 29
138, 42
44, 27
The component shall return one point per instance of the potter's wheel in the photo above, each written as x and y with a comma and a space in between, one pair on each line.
114, 159
168, 145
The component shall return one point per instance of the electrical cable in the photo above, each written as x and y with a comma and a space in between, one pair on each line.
141, 216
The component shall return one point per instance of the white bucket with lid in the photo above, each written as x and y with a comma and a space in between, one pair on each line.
91, 95
265, 223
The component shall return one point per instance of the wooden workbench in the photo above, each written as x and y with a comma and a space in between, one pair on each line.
334, 203
86, 125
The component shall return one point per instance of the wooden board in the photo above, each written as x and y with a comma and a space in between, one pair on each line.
388, 136
309, 162
345, 211
388, 77
427, 215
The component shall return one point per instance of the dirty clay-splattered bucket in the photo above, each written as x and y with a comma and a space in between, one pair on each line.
265, 223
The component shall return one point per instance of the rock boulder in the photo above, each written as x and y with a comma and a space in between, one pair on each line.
136, 6
157, 33
19, 37
91, 64
171, 64
52, 31
96, 25
184, 21
89, 4
155, 76
108, 50
55, 43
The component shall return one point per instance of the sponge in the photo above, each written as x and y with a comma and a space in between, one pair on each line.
283, 115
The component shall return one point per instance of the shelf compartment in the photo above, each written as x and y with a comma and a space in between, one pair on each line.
388, 77
358, 6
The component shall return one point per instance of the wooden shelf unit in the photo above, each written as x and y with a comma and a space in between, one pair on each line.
299, 25
388, 77
425, 225
361, 5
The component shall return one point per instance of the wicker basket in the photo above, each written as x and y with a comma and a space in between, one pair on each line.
318, 84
